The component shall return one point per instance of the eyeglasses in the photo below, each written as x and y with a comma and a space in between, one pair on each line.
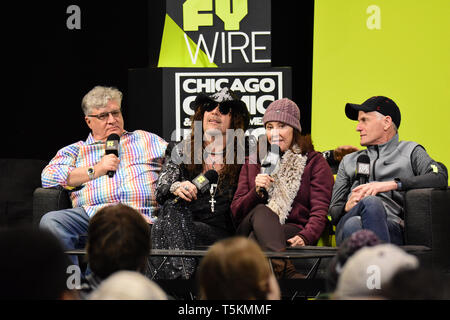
223, 109
105, 115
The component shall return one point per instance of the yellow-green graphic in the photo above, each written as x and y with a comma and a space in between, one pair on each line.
176, 53
193, 18
197, 13
216, 33
395, 48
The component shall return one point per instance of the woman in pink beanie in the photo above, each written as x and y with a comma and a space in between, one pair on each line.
288, 207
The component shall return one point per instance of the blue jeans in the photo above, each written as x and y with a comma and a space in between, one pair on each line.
69, 226
369, 214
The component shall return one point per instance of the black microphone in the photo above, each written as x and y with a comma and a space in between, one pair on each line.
112, 147
270, 163
202, 182
363, 169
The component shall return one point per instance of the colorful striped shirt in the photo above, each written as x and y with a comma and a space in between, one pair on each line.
141, 156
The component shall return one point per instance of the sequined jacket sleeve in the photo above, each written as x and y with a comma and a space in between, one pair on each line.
171, 172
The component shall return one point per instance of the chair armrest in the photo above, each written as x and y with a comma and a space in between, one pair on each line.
427, 222
49, 199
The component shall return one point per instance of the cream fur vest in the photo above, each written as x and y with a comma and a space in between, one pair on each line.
287, 180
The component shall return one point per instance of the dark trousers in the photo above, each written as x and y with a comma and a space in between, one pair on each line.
263, 225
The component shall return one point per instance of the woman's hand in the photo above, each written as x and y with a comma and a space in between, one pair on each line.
263, 181
186, 191
296, 241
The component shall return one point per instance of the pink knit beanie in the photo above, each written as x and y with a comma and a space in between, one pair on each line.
283, 110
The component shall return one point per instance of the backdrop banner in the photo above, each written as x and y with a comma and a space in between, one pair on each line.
176, 89
216, 33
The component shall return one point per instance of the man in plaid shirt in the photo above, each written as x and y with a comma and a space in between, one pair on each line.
82, 167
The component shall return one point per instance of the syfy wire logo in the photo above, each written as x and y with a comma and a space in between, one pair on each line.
228, 31
230, 12
257, 91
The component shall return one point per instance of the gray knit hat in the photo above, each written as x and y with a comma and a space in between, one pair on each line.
283, 110
371, 268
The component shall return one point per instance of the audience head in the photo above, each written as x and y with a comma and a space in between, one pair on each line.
236, 268
370, 269
128, 285
33, 265
358, 240
417, 284
118, 239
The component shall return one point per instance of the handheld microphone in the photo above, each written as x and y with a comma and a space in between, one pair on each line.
270, 163
203, 181
112, 147
363, 169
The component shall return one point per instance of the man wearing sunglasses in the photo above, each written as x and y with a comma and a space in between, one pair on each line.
82, 169
189, 217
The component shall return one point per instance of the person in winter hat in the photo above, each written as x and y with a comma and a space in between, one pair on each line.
287, 207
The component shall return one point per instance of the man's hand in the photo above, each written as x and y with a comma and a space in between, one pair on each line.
296, 241
373, 188
109, 162
368, 189
79, 175
355, 197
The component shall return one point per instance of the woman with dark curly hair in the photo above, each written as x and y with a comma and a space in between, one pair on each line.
189, 218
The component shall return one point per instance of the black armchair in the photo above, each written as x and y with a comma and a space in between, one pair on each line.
18, 180
49, 199
427, 223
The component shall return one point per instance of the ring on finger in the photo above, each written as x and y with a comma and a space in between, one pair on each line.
186, 188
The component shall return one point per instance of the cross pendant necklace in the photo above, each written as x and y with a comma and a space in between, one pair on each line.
213, 191
213, 186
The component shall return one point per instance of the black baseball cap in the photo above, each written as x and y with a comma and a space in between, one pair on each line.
380, 104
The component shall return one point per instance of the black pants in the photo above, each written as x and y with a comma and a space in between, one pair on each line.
263, 225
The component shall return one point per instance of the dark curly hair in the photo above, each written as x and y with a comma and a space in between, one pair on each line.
230, 172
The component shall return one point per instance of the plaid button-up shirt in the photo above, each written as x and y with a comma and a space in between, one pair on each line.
141, 155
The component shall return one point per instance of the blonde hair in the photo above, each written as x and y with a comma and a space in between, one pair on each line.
98, 97
128, 285
234, 268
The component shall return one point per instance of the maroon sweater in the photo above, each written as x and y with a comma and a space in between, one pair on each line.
310, 206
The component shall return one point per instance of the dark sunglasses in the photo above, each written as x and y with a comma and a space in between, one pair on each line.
223, 108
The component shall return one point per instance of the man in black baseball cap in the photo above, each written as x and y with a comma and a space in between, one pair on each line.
378, 119
381, 104
366, 191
